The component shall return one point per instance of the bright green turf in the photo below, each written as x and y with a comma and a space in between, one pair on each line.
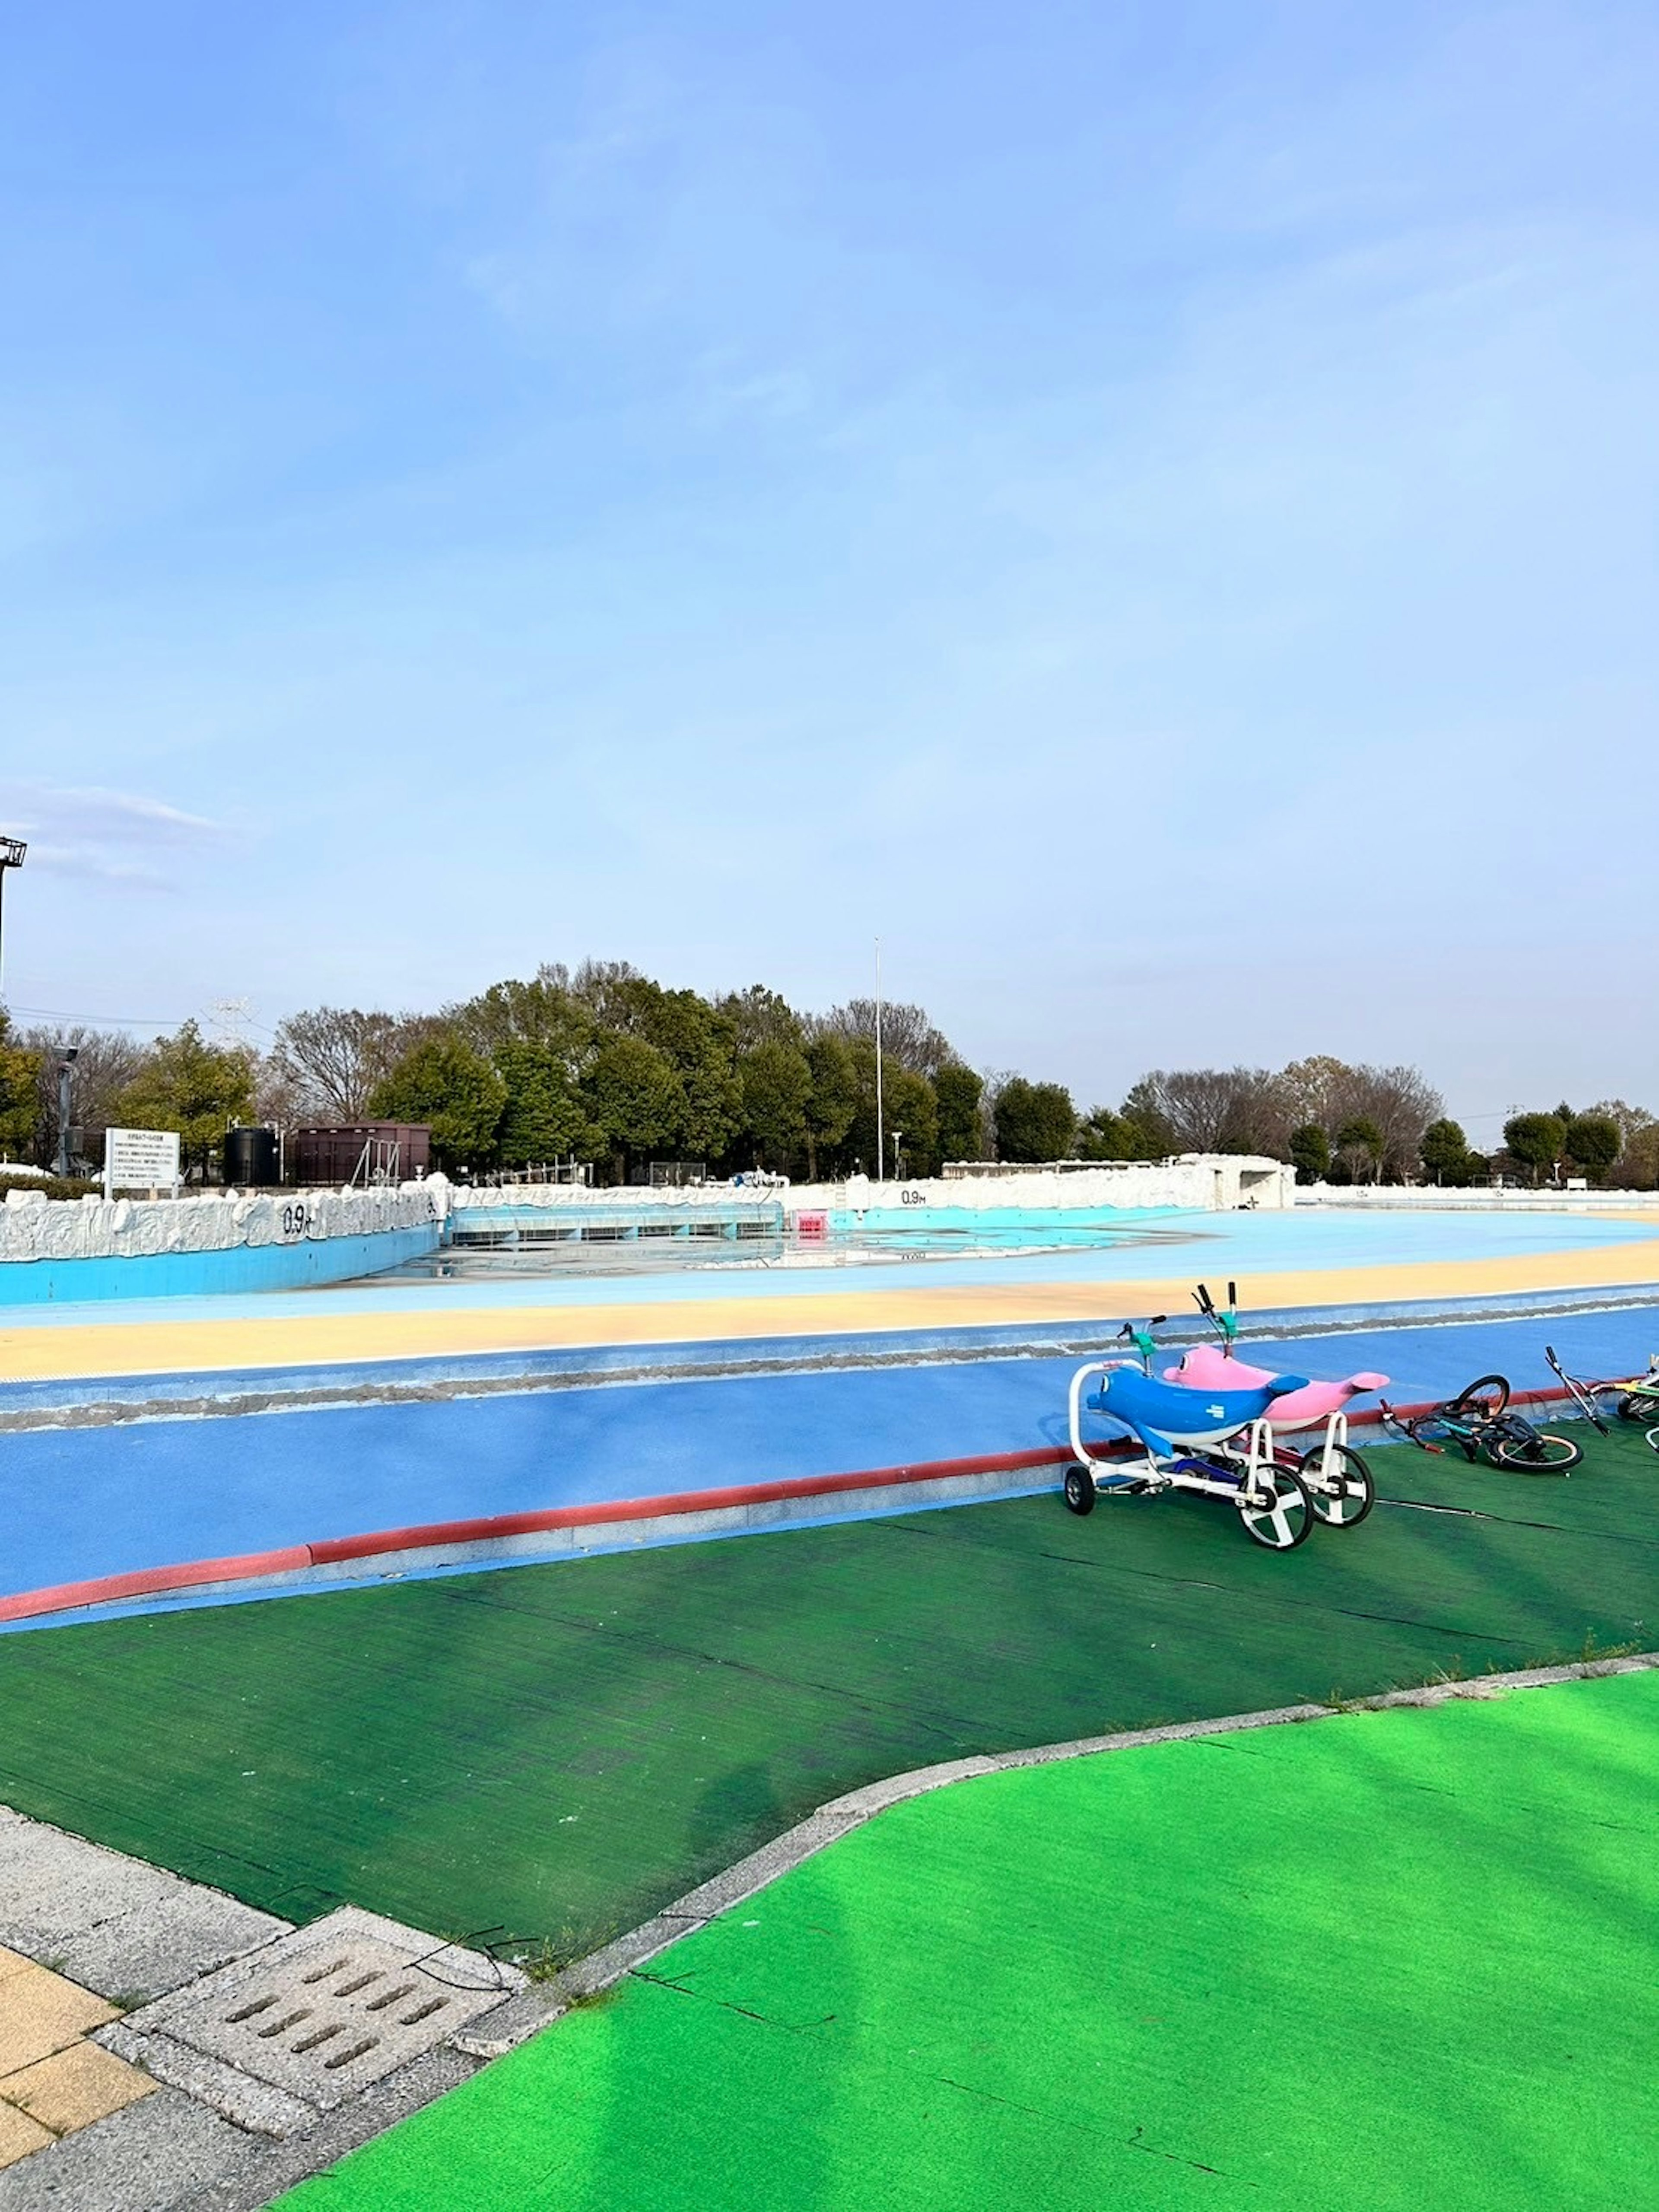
1401, 1959
557, 1752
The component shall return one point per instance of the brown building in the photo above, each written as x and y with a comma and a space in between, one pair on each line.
362, 1153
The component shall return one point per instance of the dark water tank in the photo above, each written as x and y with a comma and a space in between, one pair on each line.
250, 1157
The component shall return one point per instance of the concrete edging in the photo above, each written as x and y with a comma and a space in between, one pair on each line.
535, 2009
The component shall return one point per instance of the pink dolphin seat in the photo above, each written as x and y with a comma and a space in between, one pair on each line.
1206, 1367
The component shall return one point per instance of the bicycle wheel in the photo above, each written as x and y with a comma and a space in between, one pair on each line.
1344, 1498
1079, 1490
1484, 1399
1639, 1405
1282, 1517
1523, 1449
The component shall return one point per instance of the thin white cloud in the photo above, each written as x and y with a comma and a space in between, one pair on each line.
117, 837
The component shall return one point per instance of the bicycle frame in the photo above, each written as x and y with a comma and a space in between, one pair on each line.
1584, 1393
1467, 1434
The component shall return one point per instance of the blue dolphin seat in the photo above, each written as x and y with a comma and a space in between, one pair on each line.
1166, 1416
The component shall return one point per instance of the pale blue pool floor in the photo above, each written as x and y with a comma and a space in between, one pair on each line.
1215, 1247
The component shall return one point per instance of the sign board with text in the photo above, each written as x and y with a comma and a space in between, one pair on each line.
140, 1159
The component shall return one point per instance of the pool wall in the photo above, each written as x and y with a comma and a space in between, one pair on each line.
69, 1252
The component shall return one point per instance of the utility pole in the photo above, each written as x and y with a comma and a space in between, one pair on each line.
12, 850
881, 1137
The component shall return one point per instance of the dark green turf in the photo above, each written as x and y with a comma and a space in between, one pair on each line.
1388, 1961
1614, 1493
555, 1752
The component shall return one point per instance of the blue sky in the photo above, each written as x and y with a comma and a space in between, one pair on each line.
1152, 508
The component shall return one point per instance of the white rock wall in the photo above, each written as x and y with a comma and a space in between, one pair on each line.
1213, 1181
33, 1227
1427, 1198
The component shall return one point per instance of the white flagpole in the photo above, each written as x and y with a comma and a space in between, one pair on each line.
881, 1135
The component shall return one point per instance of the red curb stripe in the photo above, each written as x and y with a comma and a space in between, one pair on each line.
676, 1503
149, 1582
144, 1581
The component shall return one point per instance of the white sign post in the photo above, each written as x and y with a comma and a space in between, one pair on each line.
140, 1159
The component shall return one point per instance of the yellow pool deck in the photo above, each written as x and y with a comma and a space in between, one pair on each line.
424, 1321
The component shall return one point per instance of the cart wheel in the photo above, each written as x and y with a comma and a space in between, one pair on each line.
1343, 1500
1079, 1490
1283, 1516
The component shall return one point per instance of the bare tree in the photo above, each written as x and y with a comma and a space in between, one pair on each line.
1213, 1109
1399, 1102
1631, 1120
327, 1060
909, 1038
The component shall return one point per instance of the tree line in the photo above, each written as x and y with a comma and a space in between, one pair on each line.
602, 1065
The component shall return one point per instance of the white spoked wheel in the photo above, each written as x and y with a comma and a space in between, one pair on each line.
1079, 1489
1342, 1497
1277, 1511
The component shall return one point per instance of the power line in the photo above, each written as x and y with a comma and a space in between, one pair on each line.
127, 1021
116, 1021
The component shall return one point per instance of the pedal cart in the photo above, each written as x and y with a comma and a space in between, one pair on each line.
1338, 1480
1189, 1440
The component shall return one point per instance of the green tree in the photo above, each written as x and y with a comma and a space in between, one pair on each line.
758, 1016
444, 1083
1593, 1142
833, 1101
1637, 1166
1535, 1141
543, 1011
191, 1086
634, 1100
699, 1046
1446, 1155
910, 1108
1034, 1121
1359, 1147
1311, 1152
908, 1104
544, 1118
958, 1090
775, 1084
1103, 1135
20, 1087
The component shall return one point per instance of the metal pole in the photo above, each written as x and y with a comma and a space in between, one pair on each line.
13, 853
881, 1135
64, 1074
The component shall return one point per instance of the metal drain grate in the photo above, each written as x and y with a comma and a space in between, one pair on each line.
327, 2010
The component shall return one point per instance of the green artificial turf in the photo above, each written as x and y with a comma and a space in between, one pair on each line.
1397, 1960
551, 1754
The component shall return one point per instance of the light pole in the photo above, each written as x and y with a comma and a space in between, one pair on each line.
12, 850
881, 1142
66, 1059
